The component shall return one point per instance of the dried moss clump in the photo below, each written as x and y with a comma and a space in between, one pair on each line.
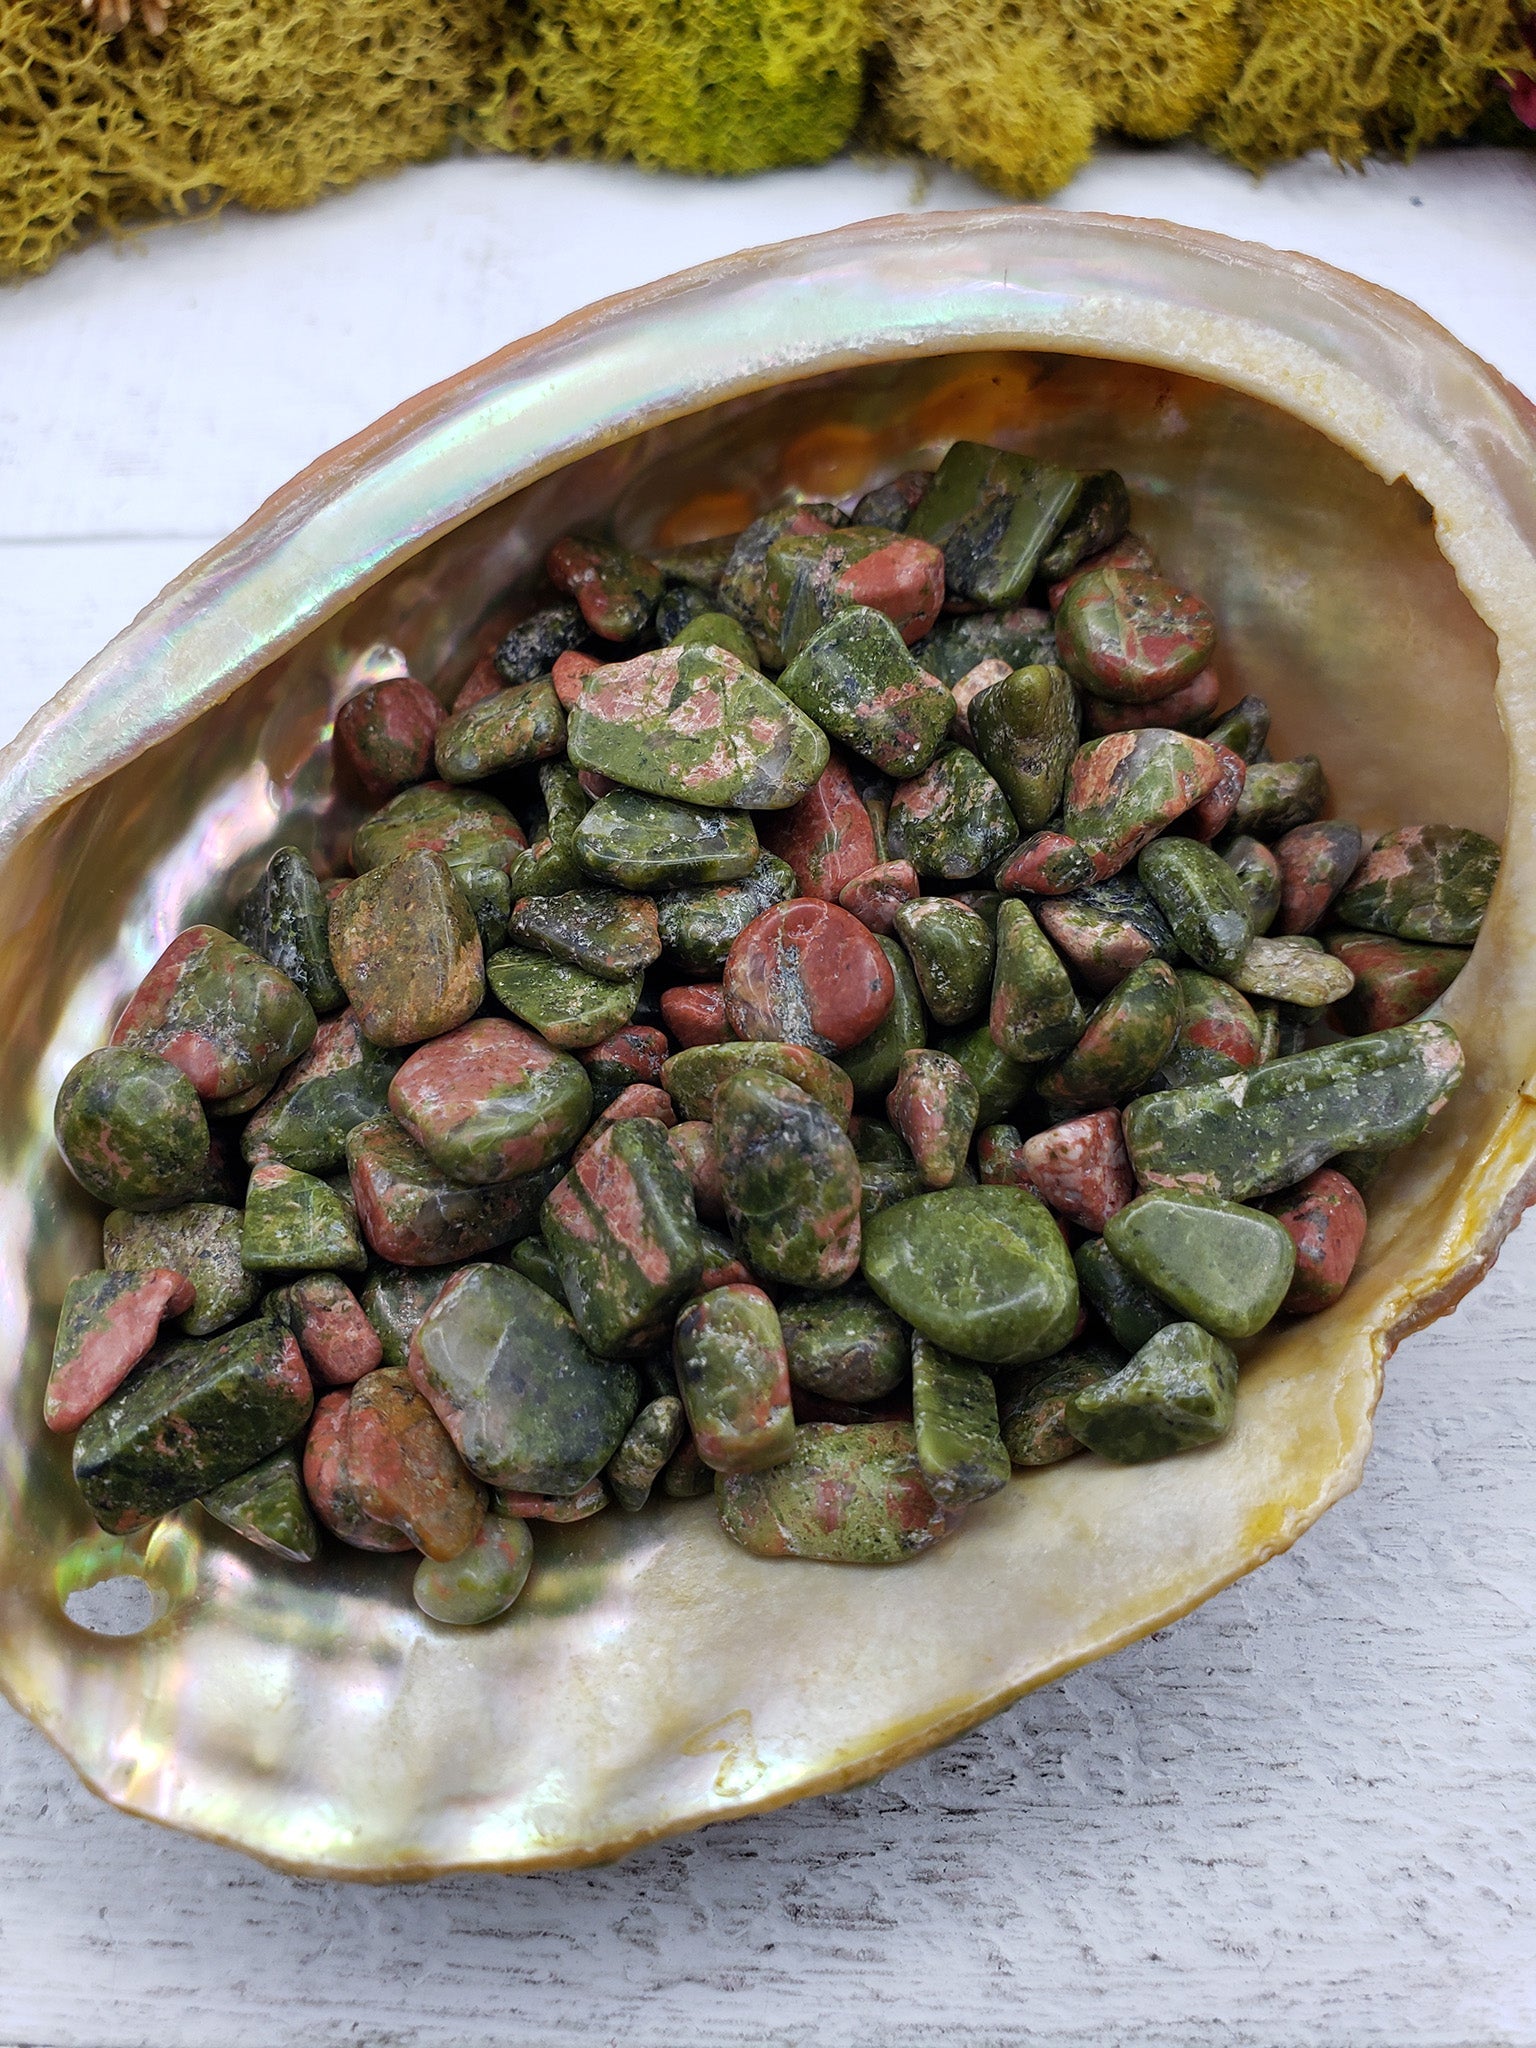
682, 85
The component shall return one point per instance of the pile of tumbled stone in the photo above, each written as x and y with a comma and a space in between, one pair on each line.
832, 1091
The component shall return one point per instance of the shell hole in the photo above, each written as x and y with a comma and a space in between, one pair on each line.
119, 1606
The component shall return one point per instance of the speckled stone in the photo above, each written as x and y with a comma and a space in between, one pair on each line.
1325, 1217
791, 1182
856, 679
464, 827
616, 590
1180, 1390
483, 1581
1263, 1130
633, 841
1428, 883
694, 1013
1130, 1312
1098, 520
284, 919
268, 1507
648, 1445
408, 951
877, 896
1000, 1157
227, 1018
851, 1494
1280, 795
890, 505
384, 735
394, 1299
826, 838
549, 866
706, 628
338, 1341
1132, 636
566, 1005
845, 1346
695, 722
1032, 1405
933, 1106
1200, 896
412, 1214
637, 1053
1121, 792
294, 1223
1293, 970
687, 1477
1226, 1266
1080, 1169
1025, 729
622, 1228
952, 951
195, 1414
198, 1240
341, 1081
1002, 1082
981, 1271
612, 936
872, 1065
568, 675
1259, 877
1244, 728
1021, 637
692, 1078
403, 1468
734, 1379
533, 646
887, 1173
1105, 931
491, 1101
994, 514
131, 1129
740, 590
1034, 1010
695, 564
954, 1419
108, 1322
518, 725
951, 822
1394, 981
1218, 1034
698, 927
1189, 708
810, 578
1125, 1041
807, 973
1315, 862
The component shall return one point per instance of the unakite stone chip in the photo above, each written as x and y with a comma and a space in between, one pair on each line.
791, 1182
622, 1229
1293, 970
732, 1374
229, 1019
343, 1080
1132, 636
490, 1101
413, 1214
954, 1417
338, 1341
269, 1507
1034, 1010
1022, 637
1426, 882
1394, 981
195, 1414
484, 1580
844, 1346
872, 1065
284, 919
1259, 878
740, 589
852, 1493
407, 950
1261, 1130
566, 1005
1180, 1390
1002, 1083
696, 723
597, 930
1225, 1266
294, 1223
699, 926
643, 842
981, 1271
1106, 930
1032, 1405
1244, 728
1123, 1044
1099, 518
107, 1323
856, 679
464, 827
337, 1492
131, 1129
1026, 730
1124, 789
1219, 1032
693, 1077
549, 865
952, 822
934, 1105
403, 1469
994, 514
526, 1403
1315, 861
887, 1172
648, 1445
534, 645
199, 1240
516, 726
706, 628
616, 590
1202, 899
395, 1299
1279, 795
952, 951
1130, 1312
810, 578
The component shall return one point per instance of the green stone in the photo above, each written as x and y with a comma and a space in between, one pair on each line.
407, 949
954, 1416
981, 1271
131, 1129
952, 952
694, 722
791, 1181
616, 590
467, 828
284, 919
229, 1019
294, 1223
695, 564
566, 1005
731, 1372
1026, 730
1426, 882
1242, 730
1034, 1010
614, 937
483, 1581
1100, 517
1280, 795
199, 1240
1223, 1265
1032, 1409
1254, 1132
488, 893
809, 578
951, 822
531, 1257
1000, 1157
1130, 1312
693, 1077
887, 1171
1123, 1044
719, 630
872, 1065
197, 1413
699, 926
1022, 637
1218, 1033
397, 1297
1124, 788
269, 1507
647, 1448
933, 1105
490, 1101
641, 842
528, 1406
623, 1233
852, 1493
994, 514
1002, 1083
1105, 930
1202, 899
1258, 876
1179, 1390
858, 681
845, 1346
549, 866
1292, 970
687, 1477
740, 590
516, 726
1394, 980
342, 1081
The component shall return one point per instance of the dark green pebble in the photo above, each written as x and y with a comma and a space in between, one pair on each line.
955, 1421
516, 726
887, 1171
851, 1493
396, 1298
1035, 1011
634, 841
1179, 1391
699, 926
269, 1507
951, 822
740, 589
676, 611
1023, 637
1280, 795
343, 1080
534, 645
285, 920
1258, 876
1000, 1157
1202, 899
994, 514
716, 629
695, 564
1026, 729
952, 949
294, 1223
1225, 1266
648, 1445
1130, 1312
614, 937
1032, 1405
488, 892
1002, 1082
791, 1182
549, 866
131, 1129
566, 1005
845, 1346
890, 505
531, 1257
1429, 883
1243, 729
1100, 516
199, 1240
860, 684
615, 589
872, 1065
687, 1477
464, 827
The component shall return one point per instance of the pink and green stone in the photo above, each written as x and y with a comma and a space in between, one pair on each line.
1258, 873
1394, 980
859, 683
616, 590
338, 1341
694, 1077
648, 1446
809, 578
954, 1419
268, 1507
1315, 862
951, 822
952, 951
491, 1101
640, 1099
580, 1506
131, 1129
612, 936
464, 827
877, 896
1032, 1406
1132, 636
515, 727
851, 1493
933, 1106
483, 1581
1000, 1157
698, 927
295, 1223
872, 1064
826, 838
807, 973
791, 1182
395, 1298
638, 1052
845, 1346
733, 1376
413, 1214
404, 1469
1428, 883
1035, 1011
108, 1323
1326, 1219
384, 735
334, 1489
342, 1080
1105, 931
1218, 1032
1224, 1265
199, 1240
1124, 1043
1080, 1168
229, 1019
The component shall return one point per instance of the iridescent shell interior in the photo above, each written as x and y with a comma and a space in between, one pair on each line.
1350, 490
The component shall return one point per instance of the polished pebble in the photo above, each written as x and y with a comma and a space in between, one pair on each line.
1244, 728
615, 590
296, 1223
1080, 1168
483, 1581
131, 1129
565, 1005
490, 1101
1394, 980
1129, 1311
845, 1346
268, 1507
1294, 970
952, 951
108, 1322
1035, 1011
807, 973
1123, 1044
699, 926
1258, 874
1202, 900
285, 919
612, 936
994, 514
1189, 708
641, 1098
849, 1494
1280, 795
873, 1064
633, 841
395, 1298
338, 1341
1132, 636
826, 838
1223, 1265
877, 895
1019, 636
199, 1240
791, 1182
1032, 1405
227, 1018
1219, 1032
384, 734
954, 1420
1326, 1219
933, 1106
1179, 1391
1428, 883
466, 828
692, 1078
515, 727
647, 1449
1315, 862
404, 1467
1104, 931
1002, 1083
951, 822
733, 1375
407, 950
413, 1214
857, 680
810, 578
694, 1013
1025, 730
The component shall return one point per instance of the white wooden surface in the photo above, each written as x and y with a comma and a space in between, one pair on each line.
1305, 1815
